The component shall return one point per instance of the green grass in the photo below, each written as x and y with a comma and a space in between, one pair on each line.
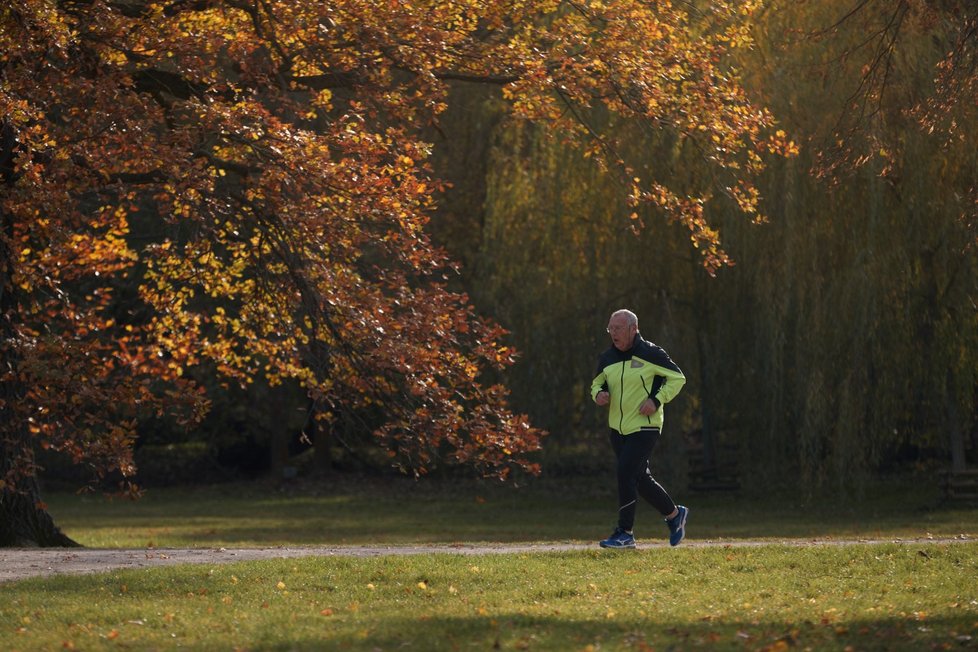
882, 596
371, 511
876, 596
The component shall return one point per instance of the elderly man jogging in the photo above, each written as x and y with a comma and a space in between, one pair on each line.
635, 378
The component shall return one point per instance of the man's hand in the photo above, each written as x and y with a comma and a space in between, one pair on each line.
602, 398
648, 407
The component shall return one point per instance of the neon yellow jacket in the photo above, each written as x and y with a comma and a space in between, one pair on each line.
644, 371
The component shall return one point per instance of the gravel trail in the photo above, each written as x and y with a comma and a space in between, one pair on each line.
23, 563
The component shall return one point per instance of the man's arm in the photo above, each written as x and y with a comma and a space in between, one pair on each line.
599, 389
673, 381
672, 377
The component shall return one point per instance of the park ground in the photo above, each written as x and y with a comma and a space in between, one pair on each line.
374, 565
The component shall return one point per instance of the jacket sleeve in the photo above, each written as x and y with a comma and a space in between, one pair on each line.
599, 384
673, 381
670, 377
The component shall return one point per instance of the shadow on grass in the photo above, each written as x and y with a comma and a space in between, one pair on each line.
561, 633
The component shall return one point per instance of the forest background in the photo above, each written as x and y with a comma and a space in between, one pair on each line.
838, 342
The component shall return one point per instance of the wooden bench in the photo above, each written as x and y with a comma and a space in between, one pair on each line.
721, 475
960, 486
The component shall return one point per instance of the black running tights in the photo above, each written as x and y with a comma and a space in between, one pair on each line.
635, 477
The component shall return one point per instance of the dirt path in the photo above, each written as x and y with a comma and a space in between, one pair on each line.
22, 563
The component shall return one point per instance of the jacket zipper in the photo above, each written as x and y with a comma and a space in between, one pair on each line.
621, 399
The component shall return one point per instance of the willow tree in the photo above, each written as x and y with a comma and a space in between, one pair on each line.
275, 146
918, 73
862, 329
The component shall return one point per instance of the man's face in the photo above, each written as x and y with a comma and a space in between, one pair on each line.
622, 334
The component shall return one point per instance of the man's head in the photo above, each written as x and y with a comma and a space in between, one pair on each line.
622, 326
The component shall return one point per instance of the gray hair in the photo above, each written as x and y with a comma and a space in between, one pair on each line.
632, 317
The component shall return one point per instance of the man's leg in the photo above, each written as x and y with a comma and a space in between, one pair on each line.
648, 487
675, 515
632, 452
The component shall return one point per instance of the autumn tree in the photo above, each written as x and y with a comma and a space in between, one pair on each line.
243, 184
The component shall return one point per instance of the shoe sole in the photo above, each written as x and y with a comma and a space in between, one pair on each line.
612, 547
682, 528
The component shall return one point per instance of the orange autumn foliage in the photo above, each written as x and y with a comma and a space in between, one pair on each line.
256, 170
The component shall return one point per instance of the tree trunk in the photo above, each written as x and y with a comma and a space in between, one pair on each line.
955, 430
321, 441
704, 330
23, 519
24, 523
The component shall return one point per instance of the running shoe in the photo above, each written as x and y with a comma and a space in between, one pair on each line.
619, 539
677, 526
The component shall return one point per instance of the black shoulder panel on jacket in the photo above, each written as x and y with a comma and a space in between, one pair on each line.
656, 355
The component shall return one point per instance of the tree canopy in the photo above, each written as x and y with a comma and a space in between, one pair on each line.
245, 184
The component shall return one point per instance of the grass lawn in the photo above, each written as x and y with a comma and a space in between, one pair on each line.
372, 511
878, 596
886, 597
